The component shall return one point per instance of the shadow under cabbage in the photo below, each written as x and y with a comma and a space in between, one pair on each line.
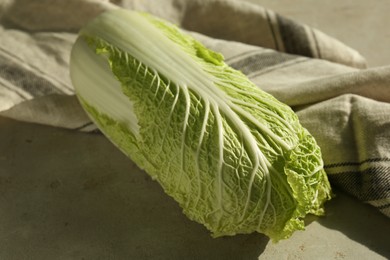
358, 221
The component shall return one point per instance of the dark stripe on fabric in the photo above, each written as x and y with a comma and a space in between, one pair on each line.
294, 37
383, 206
37, 69
281, 66
261, 61
26, 80
15, 92
245, 53
271, 27
342, 164
370, 184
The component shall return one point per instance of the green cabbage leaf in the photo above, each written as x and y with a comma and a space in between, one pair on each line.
235, 159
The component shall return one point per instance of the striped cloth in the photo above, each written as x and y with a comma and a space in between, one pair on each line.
344, 105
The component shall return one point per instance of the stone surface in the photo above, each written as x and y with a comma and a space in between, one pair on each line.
70, 195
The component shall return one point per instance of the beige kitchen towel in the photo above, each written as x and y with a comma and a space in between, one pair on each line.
345, 106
